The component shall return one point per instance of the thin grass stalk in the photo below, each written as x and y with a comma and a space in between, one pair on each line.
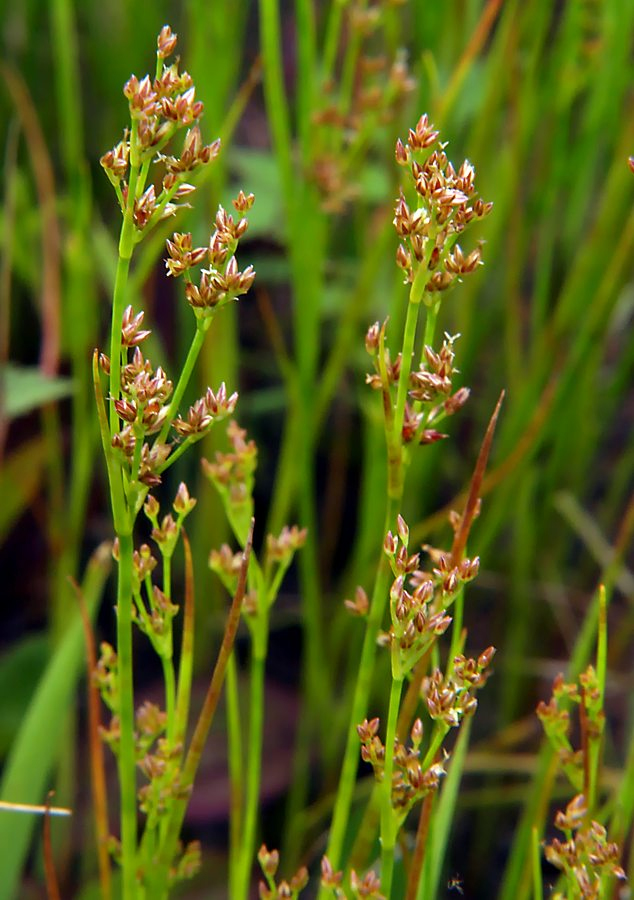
306, 237
388, 823
186, 661
253, 771
347, 778
443, 816
466, 62
97, 756
126, 760
44, 177
516, 882
332, 39
236, 768
538, 887
306, 70
395, 485
6, 261
203, 724
418, 855
52, 884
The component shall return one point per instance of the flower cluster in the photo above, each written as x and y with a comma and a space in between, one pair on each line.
449, 699
419, 599
431, 395
585, 856
286, 890
367, 886
144, 409
222, 281
411, 779
158, 107
555, 720
351, 112
205, 411
233, 472
446, 203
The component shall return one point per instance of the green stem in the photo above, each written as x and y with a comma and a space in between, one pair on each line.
456, 630
343, 801
202, 327
126, 757
234, 740
170, 694
430, 324
396, 474
123, 526
254, 764
388, 821
331, 43
538, 891
438, 736
126, 248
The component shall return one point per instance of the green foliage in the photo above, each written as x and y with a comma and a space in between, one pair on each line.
539, 97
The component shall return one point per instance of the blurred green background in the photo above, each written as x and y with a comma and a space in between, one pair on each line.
539, 96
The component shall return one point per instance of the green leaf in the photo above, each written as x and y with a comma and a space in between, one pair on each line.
21, 668
26, 388
38, 743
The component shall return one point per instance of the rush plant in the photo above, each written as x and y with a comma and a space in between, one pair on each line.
378, 614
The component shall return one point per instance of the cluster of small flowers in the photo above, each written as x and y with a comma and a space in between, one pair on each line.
144, 406
280, 549
366, 886
380, 88
222, 282
234, 471
159, 108
587, 855
286, 890
419, 599
161, 768
158, 760
555, 720
410, 780
450, 699
205, 411
431, 386
446, 203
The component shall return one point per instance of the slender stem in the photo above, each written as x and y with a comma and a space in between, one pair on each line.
457, 637
202, 327
126, 248
254, 765
438, 736
234, 740
169, 839
343, 802
420, 847
123, 527
126, 758
430, 324
331, 44
538, 890
186, 662
305, 24
274, 92
97, 755
388, 823
170, 694
396, 474
395, 466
